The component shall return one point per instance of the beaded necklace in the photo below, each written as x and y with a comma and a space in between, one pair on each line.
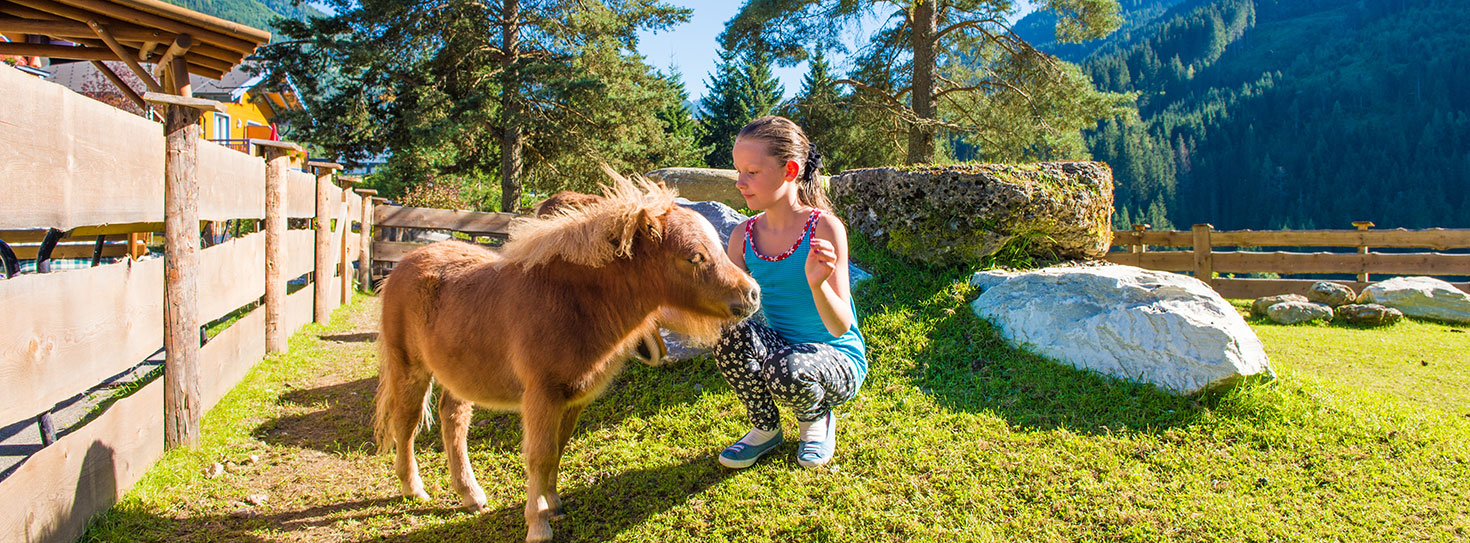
811, 224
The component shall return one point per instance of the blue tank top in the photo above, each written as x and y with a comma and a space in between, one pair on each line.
786, 300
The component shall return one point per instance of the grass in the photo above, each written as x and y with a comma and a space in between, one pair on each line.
955, 437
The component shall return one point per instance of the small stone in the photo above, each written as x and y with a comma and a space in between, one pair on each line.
1368, 314
254, 458
214, 470
1331, 294
1258, 307
243, 513
257, 499
1298, 312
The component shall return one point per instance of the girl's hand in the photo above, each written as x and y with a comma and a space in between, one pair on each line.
821, 262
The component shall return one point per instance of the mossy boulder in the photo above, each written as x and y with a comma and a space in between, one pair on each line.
943, 215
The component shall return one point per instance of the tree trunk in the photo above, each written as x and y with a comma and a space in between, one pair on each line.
510, 145
922, 133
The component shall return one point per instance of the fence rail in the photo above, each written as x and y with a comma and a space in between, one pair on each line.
1206, 262
85, 180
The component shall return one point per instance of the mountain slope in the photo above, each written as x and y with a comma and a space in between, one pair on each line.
1287, 113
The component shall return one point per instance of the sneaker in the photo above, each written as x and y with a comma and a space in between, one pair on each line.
743, 455
810, 454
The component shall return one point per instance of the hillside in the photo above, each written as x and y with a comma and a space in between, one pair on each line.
1285, 113
256, 13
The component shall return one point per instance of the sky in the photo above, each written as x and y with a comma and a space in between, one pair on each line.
692, 49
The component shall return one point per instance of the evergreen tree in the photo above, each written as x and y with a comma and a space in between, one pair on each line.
475, 89
741, 89
823, 112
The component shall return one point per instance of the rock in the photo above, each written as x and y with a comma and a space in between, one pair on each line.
214, 470
1258, 307
965, 213
1331, 294
723, 217
257, 499
1166, 329
1298, 312
1420, 297
1368, 314
701, 184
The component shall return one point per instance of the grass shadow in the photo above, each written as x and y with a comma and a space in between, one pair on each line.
965, 365
596, 512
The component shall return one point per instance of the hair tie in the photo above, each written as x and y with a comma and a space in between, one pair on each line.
813, 162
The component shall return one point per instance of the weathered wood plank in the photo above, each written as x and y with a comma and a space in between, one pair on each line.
1175, 261
232, 274
298, 311
276, 255
56, 491
225, 360
1161, 238
300, 253
1284, 262
64, 332
231, 184
72, 250
393, 251
56, 145
444, 219
1434, 238
300, 194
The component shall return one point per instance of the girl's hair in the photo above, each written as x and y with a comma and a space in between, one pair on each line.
785, 141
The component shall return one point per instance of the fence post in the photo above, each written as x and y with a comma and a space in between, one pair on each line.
1363, 226
277, 160
322, 273
365, 239
183, 406
343, 266
1204, 262
1137, 247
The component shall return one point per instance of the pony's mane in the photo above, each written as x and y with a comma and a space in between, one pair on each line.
595, 234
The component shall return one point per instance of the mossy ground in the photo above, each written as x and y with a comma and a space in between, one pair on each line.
955, 437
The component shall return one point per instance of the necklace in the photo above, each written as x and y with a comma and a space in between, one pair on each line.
811, 223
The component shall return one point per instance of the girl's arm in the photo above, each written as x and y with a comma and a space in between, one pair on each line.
735, 247
826, 274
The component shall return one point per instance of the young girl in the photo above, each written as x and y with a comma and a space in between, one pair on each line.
808, 354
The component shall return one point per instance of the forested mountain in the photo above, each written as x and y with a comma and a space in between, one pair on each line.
256, 13
1285, 113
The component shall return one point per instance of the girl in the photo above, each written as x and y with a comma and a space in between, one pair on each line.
808, 354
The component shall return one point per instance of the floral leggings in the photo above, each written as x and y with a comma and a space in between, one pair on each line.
765, 369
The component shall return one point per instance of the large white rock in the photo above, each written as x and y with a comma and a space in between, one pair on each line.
1166, 329
1424, 297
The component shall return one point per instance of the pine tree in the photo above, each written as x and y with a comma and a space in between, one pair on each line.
741, 89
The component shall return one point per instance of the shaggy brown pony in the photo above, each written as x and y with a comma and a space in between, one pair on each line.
542, 327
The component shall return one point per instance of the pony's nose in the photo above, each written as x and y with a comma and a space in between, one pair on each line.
747, 306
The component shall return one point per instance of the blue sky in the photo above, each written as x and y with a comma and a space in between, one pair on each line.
692, 49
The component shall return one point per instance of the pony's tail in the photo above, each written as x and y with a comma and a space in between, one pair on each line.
395, 382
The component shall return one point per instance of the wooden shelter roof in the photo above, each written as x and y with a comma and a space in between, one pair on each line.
133, 31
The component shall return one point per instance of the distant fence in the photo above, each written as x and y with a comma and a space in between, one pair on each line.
1205, 261
396, 224
82, 179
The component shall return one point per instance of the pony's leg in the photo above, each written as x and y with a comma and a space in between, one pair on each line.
454, 424
541, 416
568, 425
411, 390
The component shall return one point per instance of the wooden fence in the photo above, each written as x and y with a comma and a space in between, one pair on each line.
1214, 266
396, 223
72, 168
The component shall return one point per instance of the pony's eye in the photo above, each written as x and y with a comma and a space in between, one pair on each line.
697, 258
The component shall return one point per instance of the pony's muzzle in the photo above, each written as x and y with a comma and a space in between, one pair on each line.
748, 305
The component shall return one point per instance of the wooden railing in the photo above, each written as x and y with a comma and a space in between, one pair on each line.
1205, 261
396, 223
77, 169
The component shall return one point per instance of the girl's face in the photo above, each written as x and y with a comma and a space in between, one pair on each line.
763, 179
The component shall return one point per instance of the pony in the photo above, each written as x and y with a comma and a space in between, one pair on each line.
543, 326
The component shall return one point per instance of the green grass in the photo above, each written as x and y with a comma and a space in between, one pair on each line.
955, 437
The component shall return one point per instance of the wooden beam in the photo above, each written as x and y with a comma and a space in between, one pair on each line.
57, 51
124, 56
128, 14
284, 146
365, 242
199, 19
199, 104
121, 85
1204, 262
181, 45
473, 222
321, 310
77, 29
179, 65
323, 165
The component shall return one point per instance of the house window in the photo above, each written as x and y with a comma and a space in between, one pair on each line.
221, 126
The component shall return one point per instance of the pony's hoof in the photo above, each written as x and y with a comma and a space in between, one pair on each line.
476, 504
416, 494
539, 533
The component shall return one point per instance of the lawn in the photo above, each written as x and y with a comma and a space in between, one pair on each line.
955, 437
